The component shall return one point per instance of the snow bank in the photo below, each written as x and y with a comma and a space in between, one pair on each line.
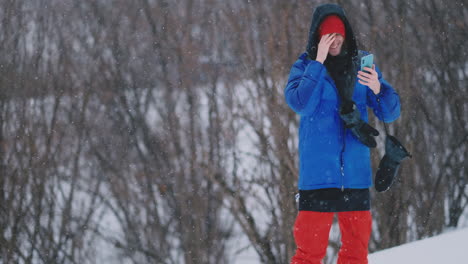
450, 247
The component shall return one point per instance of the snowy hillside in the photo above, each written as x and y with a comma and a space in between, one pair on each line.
450, 247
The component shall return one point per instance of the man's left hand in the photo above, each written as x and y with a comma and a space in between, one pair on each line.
370, 79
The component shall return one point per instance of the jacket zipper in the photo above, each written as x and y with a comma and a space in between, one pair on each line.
341, 158
343, 140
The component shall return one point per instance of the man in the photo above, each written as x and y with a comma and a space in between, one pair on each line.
331, 95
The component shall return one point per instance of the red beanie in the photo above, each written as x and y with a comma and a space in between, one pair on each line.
332, 24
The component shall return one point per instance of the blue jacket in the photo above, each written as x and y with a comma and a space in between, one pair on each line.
325, 146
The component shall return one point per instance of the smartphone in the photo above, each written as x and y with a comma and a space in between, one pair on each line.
367, 61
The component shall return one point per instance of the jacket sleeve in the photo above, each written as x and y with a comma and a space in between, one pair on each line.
305, 85
385, 104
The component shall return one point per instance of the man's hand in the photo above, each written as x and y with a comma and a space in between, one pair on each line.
324, 46
370, 79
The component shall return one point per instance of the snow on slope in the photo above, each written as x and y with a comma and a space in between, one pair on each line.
450, 247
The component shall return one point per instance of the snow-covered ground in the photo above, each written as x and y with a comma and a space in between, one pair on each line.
449, 247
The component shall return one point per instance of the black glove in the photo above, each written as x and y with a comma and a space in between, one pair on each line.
352, 119
388, 166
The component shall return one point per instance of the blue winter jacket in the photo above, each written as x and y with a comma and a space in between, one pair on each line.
330, 156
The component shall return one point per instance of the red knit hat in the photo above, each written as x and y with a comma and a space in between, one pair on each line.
332, 24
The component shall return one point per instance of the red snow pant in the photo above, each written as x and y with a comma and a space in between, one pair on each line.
311, 231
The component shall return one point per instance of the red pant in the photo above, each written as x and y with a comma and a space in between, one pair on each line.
312, 229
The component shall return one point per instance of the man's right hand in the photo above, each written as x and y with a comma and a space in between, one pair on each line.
324, 46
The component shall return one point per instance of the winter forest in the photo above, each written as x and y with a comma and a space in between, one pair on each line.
156, 131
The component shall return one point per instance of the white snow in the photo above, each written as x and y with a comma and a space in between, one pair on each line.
449, 247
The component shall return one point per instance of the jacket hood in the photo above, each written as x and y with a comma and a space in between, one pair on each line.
320, 13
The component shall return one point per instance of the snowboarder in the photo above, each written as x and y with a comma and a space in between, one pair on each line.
330, 93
